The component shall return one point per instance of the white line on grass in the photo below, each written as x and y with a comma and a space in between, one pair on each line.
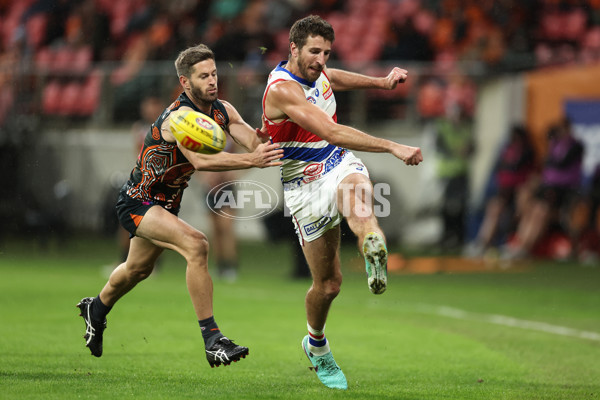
508, 321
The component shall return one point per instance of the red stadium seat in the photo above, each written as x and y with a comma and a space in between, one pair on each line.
90, 94
51, 97
44, 58
35, 28
63, 60
82, 60
70, 98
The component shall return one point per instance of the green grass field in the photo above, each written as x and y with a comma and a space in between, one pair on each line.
526, 335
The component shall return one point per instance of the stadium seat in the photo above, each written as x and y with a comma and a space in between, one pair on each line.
82, 60
63, 60
35, 28
90, 94
44, 58
51, 95
575, 25
70, 99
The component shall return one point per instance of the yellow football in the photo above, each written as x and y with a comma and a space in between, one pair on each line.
197, 132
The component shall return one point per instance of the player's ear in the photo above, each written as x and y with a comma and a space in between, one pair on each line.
293, 49
183, 81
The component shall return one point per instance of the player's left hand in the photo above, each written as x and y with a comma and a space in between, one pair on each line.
262, 133
396, 75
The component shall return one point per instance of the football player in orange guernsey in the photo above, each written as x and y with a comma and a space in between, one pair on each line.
149, 203
323, 182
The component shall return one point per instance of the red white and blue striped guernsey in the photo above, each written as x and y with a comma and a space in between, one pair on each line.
306, 156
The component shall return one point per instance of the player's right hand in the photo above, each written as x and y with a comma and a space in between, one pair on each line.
409, 154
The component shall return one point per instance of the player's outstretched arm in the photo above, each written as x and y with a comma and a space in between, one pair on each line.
346, 80
240, 131
264, 155
287, 99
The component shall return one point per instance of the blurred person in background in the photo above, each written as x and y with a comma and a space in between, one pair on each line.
583, 222
224, 239
150, 201
560, 183
324, 182
454, 147
513, 179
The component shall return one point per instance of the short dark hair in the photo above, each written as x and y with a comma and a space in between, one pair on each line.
313, 25
190, 56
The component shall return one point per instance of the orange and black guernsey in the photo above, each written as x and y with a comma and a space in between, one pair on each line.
162, 172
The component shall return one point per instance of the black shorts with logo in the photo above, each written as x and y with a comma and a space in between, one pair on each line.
131, 211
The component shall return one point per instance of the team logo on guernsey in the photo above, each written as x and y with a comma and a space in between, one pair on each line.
327, 92
313, 169
155, 133
219, 117
311, 99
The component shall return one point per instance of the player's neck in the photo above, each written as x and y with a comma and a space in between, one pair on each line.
292, 66
201, 105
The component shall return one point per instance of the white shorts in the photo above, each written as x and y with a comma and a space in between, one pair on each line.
313, 205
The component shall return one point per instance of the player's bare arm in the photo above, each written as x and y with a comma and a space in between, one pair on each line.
240, 131
264, 155
346, 80
287, 99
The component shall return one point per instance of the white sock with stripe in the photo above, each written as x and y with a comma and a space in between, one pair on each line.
317, 342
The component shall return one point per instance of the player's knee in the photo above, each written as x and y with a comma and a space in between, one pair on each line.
330, 288
139, 272
197, 244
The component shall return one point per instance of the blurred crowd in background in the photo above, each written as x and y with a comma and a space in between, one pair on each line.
55, 54
67, 38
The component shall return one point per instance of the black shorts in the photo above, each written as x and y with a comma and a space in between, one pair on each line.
131, 212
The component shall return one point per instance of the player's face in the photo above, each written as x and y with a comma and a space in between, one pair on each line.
203, 81
312, 57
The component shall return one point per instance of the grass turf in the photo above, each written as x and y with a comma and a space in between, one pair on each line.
393, 346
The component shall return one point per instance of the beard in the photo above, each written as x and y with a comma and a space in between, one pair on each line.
201, 96
310, 75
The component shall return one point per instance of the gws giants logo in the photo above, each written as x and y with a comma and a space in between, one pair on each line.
242, 199
219, 118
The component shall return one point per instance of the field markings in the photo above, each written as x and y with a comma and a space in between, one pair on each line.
504, 320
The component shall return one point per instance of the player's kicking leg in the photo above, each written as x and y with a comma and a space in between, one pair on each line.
355, 202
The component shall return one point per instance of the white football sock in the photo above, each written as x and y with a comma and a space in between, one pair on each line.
317, 342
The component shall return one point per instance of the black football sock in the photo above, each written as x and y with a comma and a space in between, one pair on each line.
99, 310
210, 331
